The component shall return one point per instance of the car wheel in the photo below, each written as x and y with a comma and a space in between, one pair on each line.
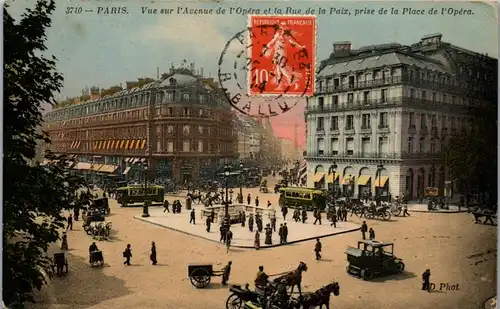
366, 274
400, 267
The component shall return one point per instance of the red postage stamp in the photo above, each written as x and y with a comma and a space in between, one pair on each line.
282, 52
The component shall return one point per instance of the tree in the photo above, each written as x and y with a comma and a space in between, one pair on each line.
34, 195
471, 155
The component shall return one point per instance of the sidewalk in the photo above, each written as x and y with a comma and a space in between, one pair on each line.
242, 237
423, 208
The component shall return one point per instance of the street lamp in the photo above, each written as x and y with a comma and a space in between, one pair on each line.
145, 209
226, 178
379, 171
240, 200
334, 179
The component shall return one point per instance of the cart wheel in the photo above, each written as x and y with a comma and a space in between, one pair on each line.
400, 266
396, 211
200, 278
366, 274
234, 302
348, 268
387, 216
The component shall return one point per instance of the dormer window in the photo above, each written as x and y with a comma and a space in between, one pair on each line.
172, 81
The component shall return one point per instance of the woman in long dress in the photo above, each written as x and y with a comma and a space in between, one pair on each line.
257, 240
269, 233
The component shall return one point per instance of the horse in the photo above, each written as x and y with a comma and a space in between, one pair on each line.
320, 297
293, 278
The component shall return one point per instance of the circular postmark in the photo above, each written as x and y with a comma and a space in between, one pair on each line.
261, 78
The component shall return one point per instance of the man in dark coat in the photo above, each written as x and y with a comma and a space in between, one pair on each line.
209, 224
257, 201
317, 249
250, 223
280, 233
192, 217
364, 229
165, 206
317, 217
249, 199
273, 223
426, 276
334, 219
284, 211
285, 233
344, 213
304, 216
223, 232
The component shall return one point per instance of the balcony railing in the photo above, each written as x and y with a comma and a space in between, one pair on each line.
373, 155
379, 103
434, 85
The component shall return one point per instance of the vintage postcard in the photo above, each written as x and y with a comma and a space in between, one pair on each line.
243, 154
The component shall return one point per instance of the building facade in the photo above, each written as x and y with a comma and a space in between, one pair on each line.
179, 125
249, 133
382, 114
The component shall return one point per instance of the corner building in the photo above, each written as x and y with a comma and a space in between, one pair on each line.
383, 113
181, 125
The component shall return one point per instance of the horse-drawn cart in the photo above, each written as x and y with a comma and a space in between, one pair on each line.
96, 259
200, 275
60, 262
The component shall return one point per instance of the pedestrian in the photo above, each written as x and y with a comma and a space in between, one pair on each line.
317, 217
249, 199
405, 210
77, 213
426, 276
344, 213
269, 232
284, 211
165, 206
257, 240
371, 233
257, 201
364, 229
152, 256
296, 215
64, 242
285, 233
127, 254
208, 223
243, 219
229, 238
192, 217
250, 223
212, 215
273, 223
70, 222
304, 215
223, 232
226, 272
317, 249
280, 233
268, 204
334, 219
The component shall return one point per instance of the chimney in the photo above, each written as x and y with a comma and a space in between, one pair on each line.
201, 72
342, 49
432, 40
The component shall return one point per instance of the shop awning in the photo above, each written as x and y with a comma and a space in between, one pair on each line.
136, 160
318, 176
108, 168
332, 177
96, 167
347, 179
363, 180
126, 144
381, 181
126, 170
82, 166
143, 144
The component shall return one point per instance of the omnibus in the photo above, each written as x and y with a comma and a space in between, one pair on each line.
136, 194
295, 197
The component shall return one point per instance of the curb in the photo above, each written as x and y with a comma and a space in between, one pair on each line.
247, 247
439, 211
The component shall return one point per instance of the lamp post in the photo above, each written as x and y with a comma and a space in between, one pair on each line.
334, 180
379, 171
145, 209
241, 182
226, 178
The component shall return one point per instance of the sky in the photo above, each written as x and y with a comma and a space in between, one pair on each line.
105, 50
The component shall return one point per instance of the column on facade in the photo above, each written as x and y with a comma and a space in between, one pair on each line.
373, 124
392, 130
357, 136
342, 141
397, 134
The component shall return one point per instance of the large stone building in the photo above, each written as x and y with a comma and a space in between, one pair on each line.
249, 133
381, 114
180, 124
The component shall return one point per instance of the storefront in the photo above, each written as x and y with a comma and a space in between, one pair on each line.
364, 186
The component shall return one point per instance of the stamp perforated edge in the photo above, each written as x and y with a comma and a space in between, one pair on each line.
313, 75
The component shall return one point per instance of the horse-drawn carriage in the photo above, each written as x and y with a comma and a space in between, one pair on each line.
200, 275
96, 259
263, 296
98, 230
